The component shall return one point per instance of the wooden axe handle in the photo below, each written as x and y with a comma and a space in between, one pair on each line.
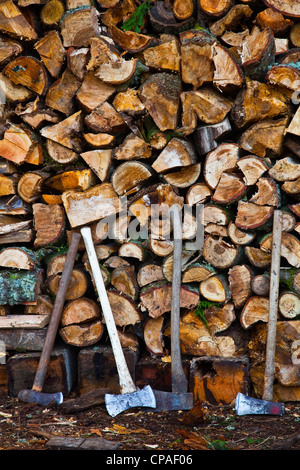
126, 383
179, 381
56, 314
273, 306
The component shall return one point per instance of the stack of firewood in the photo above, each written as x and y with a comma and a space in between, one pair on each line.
189, 102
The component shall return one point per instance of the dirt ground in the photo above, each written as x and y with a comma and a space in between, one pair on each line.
30, 427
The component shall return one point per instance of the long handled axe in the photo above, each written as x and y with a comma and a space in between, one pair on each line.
245, 404
130, 396
35, 395
179, 398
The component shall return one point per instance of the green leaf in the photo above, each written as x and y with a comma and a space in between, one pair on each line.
135, 21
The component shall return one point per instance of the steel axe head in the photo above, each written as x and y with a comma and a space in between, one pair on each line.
40, 398
116, 404
245, 405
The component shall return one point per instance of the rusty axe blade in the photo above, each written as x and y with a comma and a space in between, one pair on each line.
245, 405
131, 396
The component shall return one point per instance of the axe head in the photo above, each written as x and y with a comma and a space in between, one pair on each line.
40, 398
245, 405
115, 404
172, 401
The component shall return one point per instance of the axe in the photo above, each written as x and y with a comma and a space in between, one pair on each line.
179, 398
131, 396
35, 395
245, 404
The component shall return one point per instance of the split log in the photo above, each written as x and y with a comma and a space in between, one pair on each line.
197, 67
240, 283
215, 288
19, 145
197, 272
162, 19
30, 186
256, 102
258, 257
288, 8
133, 249
205, 104
14, 205
238, 236
231, 20
124, 309
196, 339
156, 298
11, 223
79, 209
153, 336
78, 26
160, 94
220, 254
206, 137
164, 57
178, 153
49, 223
77, 60
130, 41
214, 9
294, 35
8, 185
230, 189
78, 180
285, 169
149, 273
289, 304
290, 247
99, 161
267, 193
14, 23
19, 258
60, 95
65, 132
9, 48
124, 279
12, 92
129, 175
104, 118
270, 18
36, 115
133, 147
59, 153
228, 76
198, 193
215, 214
264, 138
219, 160
183, 178
251, 216
252, 168
29, 72
52, 52
258, 53
256, 309
284, 76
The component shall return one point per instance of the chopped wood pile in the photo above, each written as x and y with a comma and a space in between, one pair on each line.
182, 102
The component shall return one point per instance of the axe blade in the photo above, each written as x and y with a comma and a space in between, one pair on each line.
40, 398
173, 401
245, 405
116, 404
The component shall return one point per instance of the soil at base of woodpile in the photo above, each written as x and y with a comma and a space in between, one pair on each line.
29, 427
